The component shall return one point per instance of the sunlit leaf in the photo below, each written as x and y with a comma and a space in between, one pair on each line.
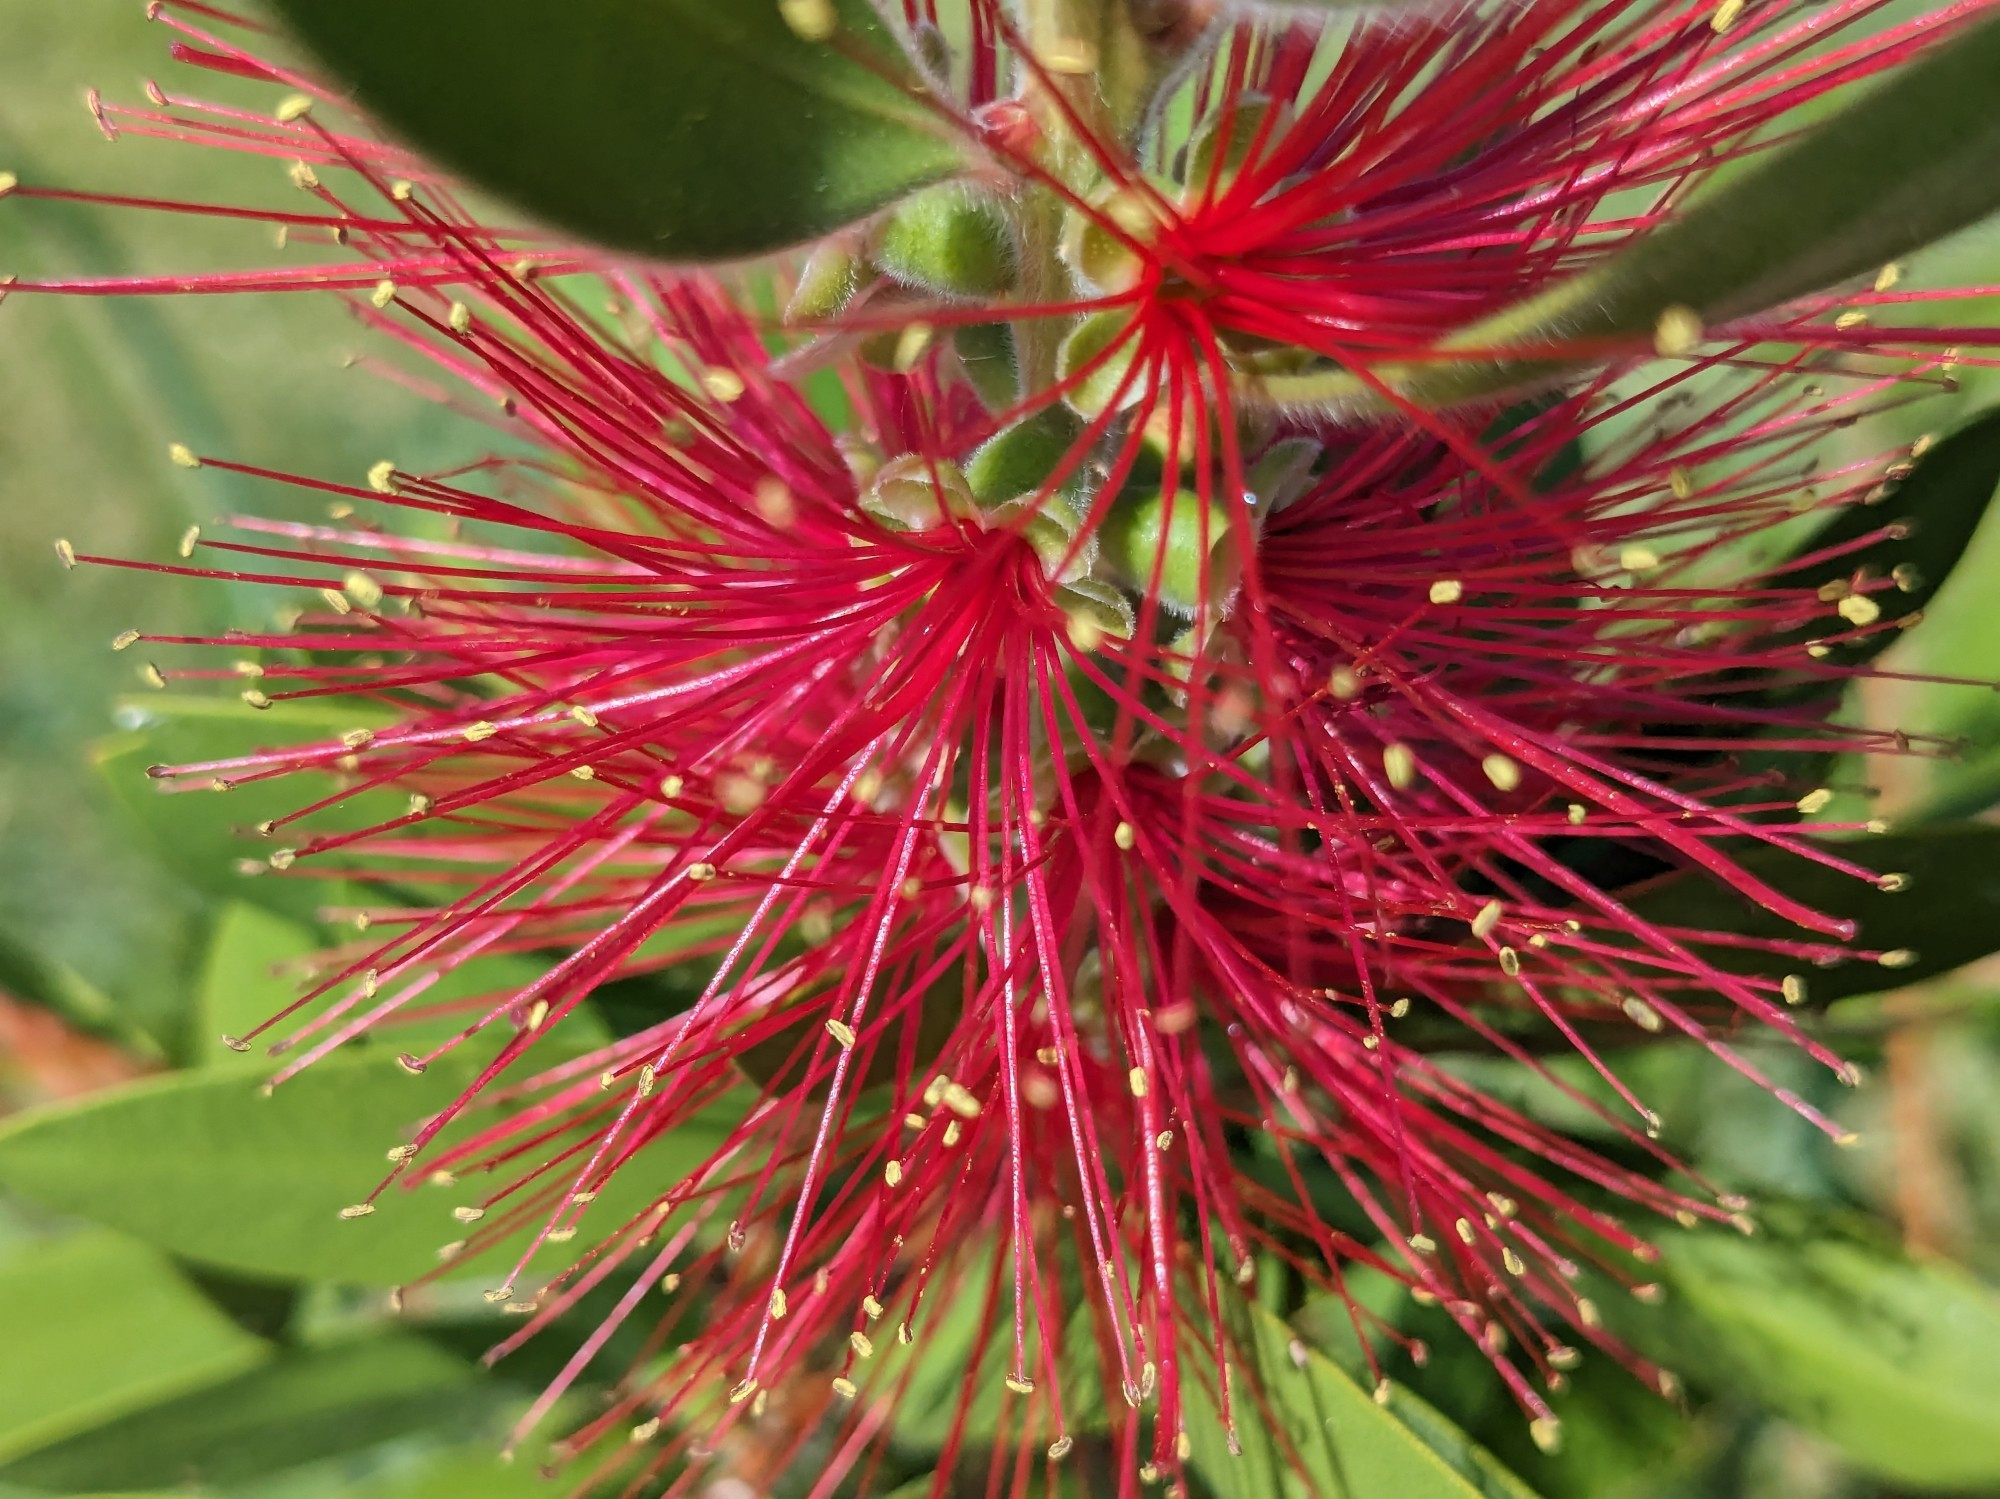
1892, 1361
201, 1163
305, 1406
1308, 1430
97, 1325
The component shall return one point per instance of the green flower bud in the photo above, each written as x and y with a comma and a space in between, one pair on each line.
916, 494
986, 354
952, 241
1129, 542
1104, 261
1283, 472
1019, 459
1096, 610
831, 276
1109, 333
1222, 142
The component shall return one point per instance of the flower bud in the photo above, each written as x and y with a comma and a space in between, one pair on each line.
952, 241
827, 283
915, 494
1195, 563
1222, 142
1020, 459
1105, 344
986, 355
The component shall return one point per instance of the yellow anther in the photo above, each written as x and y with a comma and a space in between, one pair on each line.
842, 1033
1677, 331
1487, 919
1859, 609
1641, 1014
1124, 835
1502, 771
1447, 591
1399, 764
810, 20
724, 385
384, 293
1136, 1079
473, 733
292, 107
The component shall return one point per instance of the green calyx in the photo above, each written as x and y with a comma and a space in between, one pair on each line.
827, 284
1172, 545
954, 240
914, 493
1098, 355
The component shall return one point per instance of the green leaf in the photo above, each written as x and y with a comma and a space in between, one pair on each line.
302, 1407
201, 1163
457, 1475
682, 129
257, 961
28, 975
211, 837
97, 1326
1948, 915
1938, 507
1325, 1437
246, 978
1894, 1362
1907, 164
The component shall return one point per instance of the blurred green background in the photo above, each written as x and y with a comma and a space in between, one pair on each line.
126, 1369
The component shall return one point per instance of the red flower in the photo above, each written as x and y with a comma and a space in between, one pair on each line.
1074, 871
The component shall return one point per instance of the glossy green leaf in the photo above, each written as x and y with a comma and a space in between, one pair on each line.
1937, 508
1892, 1361
251, 972
458, 1475
201, 1163
1907, 164
305, 1406
257, 964
97, 1325
1309, 1431
1948, 915
682, 129
211, 837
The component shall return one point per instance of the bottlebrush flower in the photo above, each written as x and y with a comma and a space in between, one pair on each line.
1084, 783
